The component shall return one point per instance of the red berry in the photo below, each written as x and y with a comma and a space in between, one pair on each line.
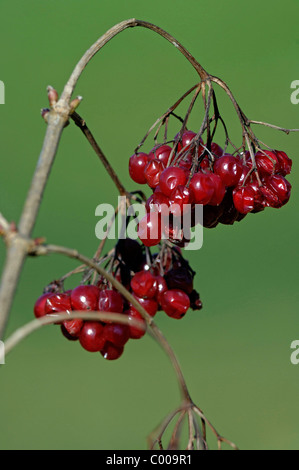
111, 352
158, 202
229, 168
144, 284
149, 229
216, 149
135, 331
85, 298
58, 303
161, 288
243, 198
73, 327
186, 139
244, 175
40, 304
67, 335
161, 153
276, 190
137, 166
110, 301
259, 201
182, 198
202, 188
175, 303
267, 163
219, 190
92, 336
152, 172
150, 305
117, 334
285, 163
171, 178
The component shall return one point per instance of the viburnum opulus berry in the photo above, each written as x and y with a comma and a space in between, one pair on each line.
162, 282
228, 186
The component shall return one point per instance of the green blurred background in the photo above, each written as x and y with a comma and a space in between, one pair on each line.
235, 353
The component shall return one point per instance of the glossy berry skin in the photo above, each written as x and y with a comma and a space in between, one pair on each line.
160, 153
267, 163
216, 149
187, 137
244, 175
202, 188
171, 178
152, 173
259, 201
110, 301
243, 198
58, 303
39, 306
276, 190
67, 335
117, 334
137, 164
73, 327
150, 305
85, 298
219, 190
92, 336
149, 229
144, 284
285, 163
135, 331
161, 288
175, 303
180, 200
158, 202
229, 168
111, 352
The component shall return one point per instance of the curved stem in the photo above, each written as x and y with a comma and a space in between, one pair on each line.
110, 34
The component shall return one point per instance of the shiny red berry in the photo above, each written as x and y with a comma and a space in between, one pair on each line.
92, 336
175, 303
85, 298
285, 163
276, 190
110, 301
243, 198
40, 304
267, 163
149, 305
219, 190
144, 284
181, 199
117, 334
149, 229
111, 352
171, 178
161, 153
73, 327
202, 188
137, 164
158, 202
56, 303
136, 331
229, 168
152, 172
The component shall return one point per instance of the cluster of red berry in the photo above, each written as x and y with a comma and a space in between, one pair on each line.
171, 292
226, 185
